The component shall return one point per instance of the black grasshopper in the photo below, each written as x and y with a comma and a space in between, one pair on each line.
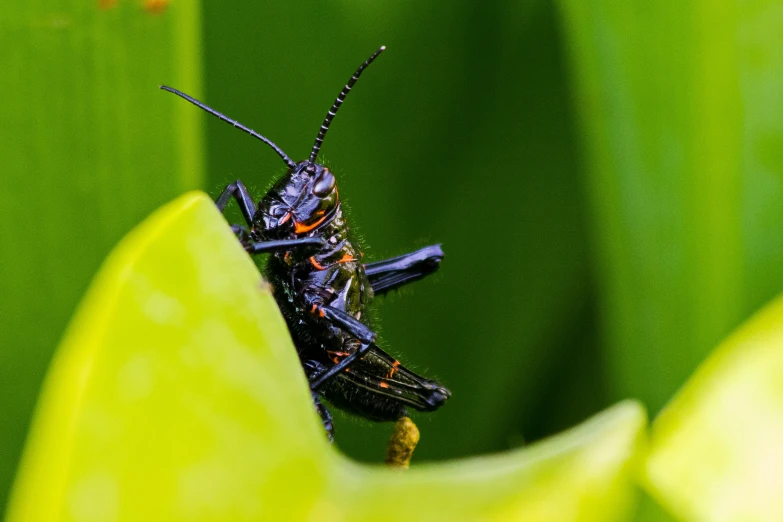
322, 287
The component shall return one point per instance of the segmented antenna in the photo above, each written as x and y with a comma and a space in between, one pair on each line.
235, 123
339, 101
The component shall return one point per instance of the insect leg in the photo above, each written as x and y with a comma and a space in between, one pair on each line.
239, 192
265, 247
393, 273
243, 235
311, 367
345, 322
326, 417
348, 324
320, 379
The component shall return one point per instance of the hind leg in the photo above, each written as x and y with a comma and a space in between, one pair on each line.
393, 273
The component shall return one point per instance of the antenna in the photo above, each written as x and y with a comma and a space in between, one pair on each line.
339, 101
235, 123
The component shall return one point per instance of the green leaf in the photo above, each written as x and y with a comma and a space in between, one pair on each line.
89, 146
683, 127
585, 474
177, 395
715, 450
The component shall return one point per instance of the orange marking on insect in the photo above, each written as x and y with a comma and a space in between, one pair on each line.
335, 356
347, 258
395, 364
320, 213
300, 228
287, 258
285, 218
316, 264
383, 384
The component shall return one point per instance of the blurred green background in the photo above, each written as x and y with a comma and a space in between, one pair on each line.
606, 179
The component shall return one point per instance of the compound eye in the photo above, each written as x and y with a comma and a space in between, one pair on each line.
324, 184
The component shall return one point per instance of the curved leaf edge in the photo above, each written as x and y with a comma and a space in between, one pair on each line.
501, 482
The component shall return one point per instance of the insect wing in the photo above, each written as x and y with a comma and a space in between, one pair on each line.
381, 374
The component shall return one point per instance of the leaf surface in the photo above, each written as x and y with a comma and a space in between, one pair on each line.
89, 147
177, 395
715, 450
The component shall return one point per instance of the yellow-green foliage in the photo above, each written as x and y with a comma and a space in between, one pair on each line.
716, 451
87, 149
177, 395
